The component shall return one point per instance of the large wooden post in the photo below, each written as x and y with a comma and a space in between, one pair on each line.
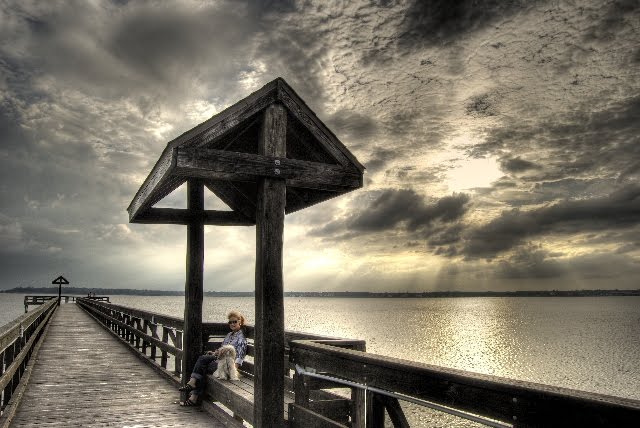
269, 306
192, 339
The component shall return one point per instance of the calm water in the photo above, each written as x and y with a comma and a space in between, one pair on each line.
586, 343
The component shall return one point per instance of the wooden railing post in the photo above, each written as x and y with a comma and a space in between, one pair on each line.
163, 353
375, 411
301, 390
145, 330
132, 324
153, 328
178, 344
358, 398
138, 326
8, 359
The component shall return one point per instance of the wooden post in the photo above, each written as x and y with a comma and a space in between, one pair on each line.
358, 399
163, 353
375, 411
192, 339
268, 408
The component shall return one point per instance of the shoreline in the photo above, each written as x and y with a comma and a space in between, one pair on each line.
83, 291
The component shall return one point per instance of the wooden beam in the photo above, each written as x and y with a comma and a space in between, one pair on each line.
157, 185
234, 166
375, 411
183, 216
269, 302
205, 133
300, 416
299, 109
192, 338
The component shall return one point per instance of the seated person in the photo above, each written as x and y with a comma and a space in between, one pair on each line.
208, 363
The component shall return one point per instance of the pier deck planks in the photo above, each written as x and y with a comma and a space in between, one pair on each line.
85, 378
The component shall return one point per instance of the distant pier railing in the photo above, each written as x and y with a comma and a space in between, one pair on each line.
19, 340
154, 335
41, 300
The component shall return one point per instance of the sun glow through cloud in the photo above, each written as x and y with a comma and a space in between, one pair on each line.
472, 173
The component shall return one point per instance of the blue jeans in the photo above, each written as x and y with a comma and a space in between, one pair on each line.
205, 364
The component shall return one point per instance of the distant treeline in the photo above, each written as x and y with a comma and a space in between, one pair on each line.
130, 291
83, 291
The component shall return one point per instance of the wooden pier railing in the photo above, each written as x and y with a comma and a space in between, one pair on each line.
157, 339
487, 399
318, 366
19, 340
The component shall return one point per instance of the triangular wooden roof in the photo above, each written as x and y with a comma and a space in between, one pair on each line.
223, 153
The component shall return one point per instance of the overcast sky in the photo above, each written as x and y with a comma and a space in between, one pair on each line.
501, 139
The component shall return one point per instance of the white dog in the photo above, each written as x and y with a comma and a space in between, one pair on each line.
226, 363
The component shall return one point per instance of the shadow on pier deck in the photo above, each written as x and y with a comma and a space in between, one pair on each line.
82, 376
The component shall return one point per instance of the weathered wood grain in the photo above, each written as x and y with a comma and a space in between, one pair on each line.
298, 108
158, 183
193, 292
233, 166
302, 417
507, 400
269, 301
83, 377
311, 140
182, 216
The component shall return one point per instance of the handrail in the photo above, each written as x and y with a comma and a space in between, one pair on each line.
474, 418
209, 328
140, 329
17, 341
510, 401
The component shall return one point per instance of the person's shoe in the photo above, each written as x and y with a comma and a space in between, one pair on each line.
188, 403
187, 388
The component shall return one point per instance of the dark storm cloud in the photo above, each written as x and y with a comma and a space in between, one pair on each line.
439, 21
165, 52
516, 165
535, 263
576, 145
398, 209
159, 43
529, 262
615, 19
446, 236
351, 125
621, 209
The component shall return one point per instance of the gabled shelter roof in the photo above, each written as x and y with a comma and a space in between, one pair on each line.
223, 153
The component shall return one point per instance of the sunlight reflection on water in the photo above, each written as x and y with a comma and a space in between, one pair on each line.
587, 343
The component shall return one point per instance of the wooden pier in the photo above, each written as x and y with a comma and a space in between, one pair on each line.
83, 364
82, 377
